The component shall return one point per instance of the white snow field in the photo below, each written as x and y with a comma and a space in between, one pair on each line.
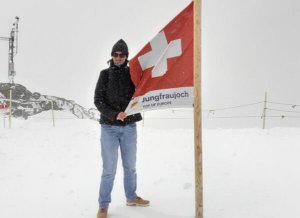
48, 172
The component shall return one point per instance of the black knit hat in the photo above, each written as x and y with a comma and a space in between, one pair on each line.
120, 46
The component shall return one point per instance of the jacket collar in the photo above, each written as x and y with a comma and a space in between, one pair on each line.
113, 66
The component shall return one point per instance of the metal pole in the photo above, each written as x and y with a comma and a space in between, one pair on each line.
12, 50
4, 38
16, 24
197, 111
11, 70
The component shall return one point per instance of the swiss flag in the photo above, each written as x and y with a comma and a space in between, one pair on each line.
166, 62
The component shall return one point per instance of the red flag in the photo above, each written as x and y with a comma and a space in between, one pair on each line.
163, 70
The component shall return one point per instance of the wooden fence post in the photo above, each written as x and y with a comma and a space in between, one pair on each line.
10, 107
52, 108
264, 111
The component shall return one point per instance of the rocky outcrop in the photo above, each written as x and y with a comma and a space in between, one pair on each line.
26, 103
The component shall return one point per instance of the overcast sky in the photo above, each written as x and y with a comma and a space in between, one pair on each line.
248, 46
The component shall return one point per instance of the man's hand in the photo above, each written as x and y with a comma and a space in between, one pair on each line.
121, 116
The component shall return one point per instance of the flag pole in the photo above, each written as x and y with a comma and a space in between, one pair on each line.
197, 111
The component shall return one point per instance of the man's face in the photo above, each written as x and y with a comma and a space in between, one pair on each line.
118, 58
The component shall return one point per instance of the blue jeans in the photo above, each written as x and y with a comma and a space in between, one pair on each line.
111, 138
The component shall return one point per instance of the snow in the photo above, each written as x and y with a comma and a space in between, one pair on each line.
55, 172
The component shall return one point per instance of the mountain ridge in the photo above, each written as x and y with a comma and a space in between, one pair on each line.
26, 103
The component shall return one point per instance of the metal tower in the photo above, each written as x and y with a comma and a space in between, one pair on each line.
12, 50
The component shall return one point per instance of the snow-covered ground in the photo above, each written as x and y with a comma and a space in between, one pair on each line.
48, 172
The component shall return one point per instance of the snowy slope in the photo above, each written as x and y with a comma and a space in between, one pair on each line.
55, 172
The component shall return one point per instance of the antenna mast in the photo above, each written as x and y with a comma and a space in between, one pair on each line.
13, 50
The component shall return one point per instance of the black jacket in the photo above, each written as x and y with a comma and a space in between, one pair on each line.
113, 92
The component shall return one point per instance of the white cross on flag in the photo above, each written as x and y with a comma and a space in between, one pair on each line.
163, 70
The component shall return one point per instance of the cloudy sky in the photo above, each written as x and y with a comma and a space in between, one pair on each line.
248, 47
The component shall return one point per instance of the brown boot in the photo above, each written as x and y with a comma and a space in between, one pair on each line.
102, 213
138, 201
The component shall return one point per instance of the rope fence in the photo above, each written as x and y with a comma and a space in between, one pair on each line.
277, 109
269, 109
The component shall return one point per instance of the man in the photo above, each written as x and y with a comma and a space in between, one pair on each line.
112, 94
